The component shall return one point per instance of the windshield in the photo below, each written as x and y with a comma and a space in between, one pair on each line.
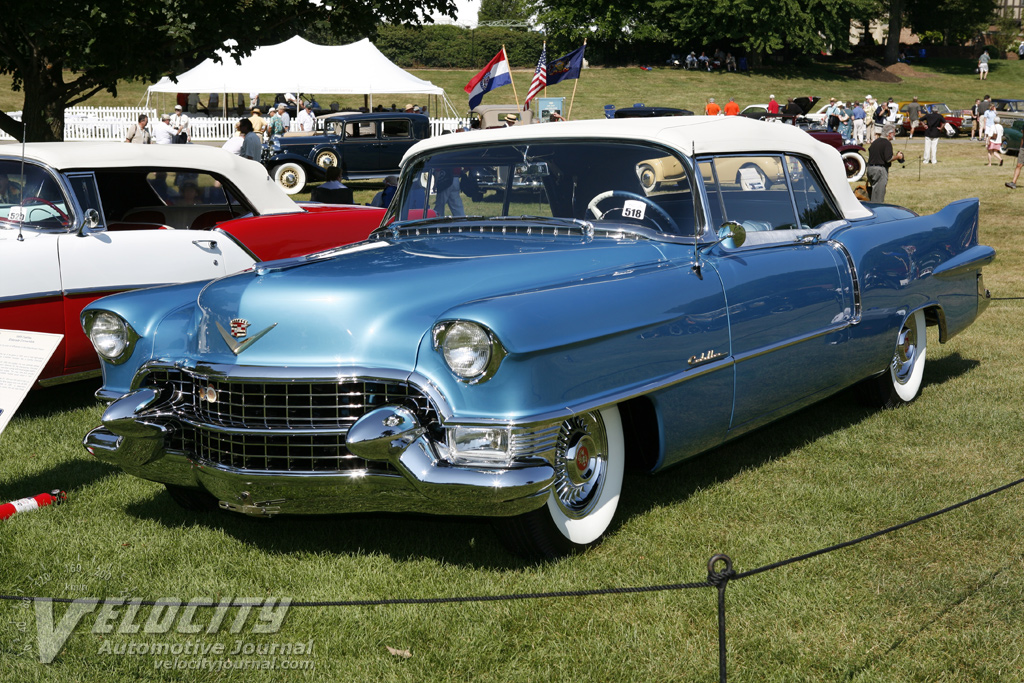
613, 182
30, 196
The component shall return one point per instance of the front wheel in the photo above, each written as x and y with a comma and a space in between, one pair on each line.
589, 464
291, 177
901, 383
855, 166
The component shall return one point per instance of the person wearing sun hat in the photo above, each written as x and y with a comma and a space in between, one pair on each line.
511, 120
258, 124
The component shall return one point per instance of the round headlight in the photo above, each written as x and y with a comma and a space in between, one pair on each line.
467, 349
109, 335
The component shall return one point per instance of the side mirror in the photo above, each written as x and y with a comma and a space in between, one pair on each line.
90, 220
731, 235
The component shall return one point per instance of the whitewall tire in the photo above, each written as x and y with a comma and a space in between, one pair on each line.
581, 506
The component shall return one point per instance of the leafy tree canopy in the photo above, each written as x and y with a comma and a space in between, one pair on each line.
754, 26
958, 21
521, 11
61, 52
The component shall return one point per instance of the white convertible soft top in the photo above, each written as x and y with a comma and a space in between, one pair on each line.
688, 135
250, 177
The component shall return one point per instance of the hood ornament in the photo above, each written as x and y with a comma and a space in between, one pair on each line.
239, 328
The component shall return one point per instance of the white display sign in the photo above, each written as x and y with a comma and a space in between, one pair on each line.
751, 179
631, 208
22, 357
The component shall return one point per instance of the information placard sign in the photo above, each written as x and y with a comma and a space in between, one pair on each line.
22, 357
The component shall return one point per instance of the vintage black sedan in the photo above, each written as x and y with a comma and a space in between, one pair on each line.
362, 145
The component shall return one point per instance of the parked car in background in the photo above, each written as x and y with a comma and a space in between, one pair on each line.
1013, 131
649, 112
81, 220
486, 116
953, 118
1009, 110
854, 160
669, 285
361, 145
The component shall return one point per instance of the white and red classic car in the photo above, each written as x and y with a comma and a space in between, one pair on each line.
82, 220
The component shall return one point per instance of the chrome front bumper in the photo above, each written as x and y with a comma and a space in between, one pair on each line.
412, 476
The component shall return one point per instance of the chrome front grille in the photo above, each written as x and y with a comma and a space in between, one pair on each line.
278, 426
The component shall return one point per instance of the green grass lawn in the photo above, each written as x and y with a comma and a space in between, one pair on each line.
939, 601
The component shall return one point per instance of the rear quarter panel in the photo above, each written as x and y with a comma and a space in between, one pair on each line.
896, 264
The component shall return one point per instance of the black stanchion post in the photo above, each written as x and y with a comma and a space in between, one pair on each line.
720, 580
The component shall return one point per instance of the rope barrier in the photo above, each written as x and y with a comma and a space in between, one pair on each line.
715, 579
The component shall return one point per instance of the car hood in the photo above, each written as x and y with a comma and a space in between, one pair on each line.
371, 305
806, 103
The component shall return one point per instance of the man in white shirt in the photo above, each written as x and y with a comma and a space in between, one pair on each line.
163, 134
179, 124
305, 121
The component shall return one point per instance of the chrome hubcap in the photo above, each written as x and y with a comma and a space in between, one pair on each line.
581, 464
906, 355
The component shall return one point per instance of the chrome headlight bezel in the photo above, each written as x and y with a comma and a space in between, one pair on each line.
490, 351
99, 322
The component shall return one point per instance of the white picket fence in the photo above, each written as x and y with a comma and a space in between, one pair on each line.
110, 124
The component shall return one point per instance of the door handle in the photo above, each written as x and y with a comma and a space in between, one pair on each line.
209, 244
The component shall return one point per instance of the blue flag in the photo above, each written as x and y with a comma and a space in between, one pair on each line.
567, 67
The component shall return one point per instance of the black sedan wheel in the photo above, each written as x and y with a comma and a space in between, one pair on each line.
291, 177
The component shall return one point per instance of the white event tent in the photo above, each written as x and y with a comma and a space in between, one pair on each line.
300, 66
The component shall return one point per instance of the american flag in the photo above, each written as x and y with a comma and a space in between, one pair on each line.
540, 77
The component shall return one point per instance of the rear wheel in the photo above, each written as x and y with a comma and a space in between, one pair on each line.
901, 383
589, 465
291, 177
855, 166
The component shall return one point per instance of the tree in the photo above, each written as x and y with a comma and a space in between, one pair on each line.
61, 53
520, 11
959, 21
801, 26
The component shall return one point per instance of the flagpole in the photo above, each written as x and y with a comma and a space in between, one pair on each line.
573, 98
514, 93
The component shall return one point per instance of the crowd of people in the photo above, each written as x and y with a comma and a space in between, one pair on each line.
868, 122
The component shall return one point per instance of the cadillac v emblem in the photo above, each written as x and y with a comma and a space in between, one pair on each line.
239, 327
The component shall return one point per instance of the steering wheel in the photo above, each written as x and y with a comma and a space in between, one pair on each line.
65, 220
655, 209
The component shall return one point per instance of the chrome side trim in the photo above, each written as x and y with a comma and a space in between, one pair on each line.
116, 288
540, 420
792, 341
73, 377
28, 297
238, 242
841, 248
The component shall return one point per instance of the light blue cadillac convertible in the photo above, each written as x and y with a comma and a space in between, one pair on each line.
632, 293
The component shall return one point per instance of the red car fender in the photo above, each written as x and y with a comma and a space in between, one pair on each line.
316, 228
